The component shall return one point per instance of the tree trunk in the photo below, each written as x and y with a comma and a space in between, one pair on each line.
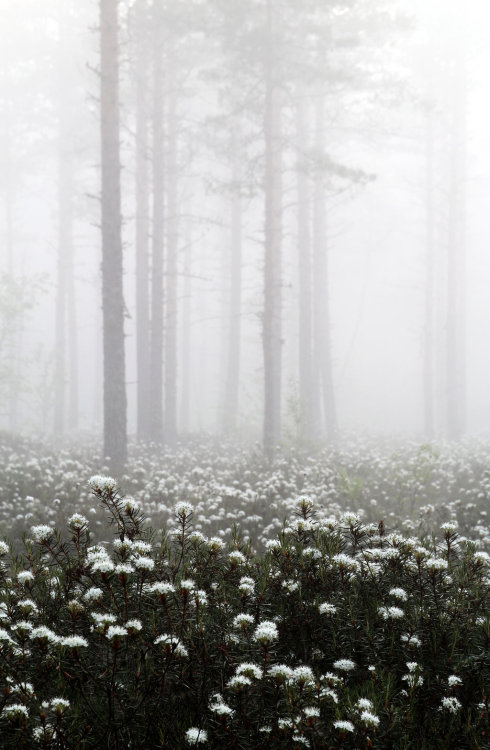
322, 334
186, 332
171, 276
456, 277
232, 382
142, 224
428, 374
65, 231
9, 194
306, 390
156, 341
115, 405
272, 323
13, 340
72, 327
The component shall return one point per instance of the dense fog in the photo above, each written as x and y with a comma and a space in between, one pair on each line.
313, 174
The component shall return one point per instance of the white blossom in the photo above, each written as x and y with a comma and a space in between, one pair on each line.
249, 669
327, 609
15, 711
115, 631
59, 704
144, 563
77, 521
369, 719
195, 736
453, 680
451, 703
42, 532
74, 641
101, 483
391, 613
345, 665
183, 509
162, 587
93, 594
266, 632
344, 726
399, 593
25, 576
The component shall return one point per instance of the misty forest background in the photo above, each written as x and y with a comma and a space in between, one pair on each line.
288, 209
244, 367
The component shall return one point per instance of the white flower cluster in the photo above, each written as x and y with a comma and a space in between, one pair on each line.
74, 641
413, 678
280, 672
218, 706
77, 522
369, 719
93, 594
172, 645
162, 587
344, 725
25, 576
183, 509
303, 676
243, 620
344, 665
345, 562
238, 682
436, 564
450, 527
237, 558
195, 736
246, 585
451, 703
42, 533
100, 483
249, 669
391, 613
15, 711
59, 704
453, 680
266, 632
399, 593
114, 632
99, 560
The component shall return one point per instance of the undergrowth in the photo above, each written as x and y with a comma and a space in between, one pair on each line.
342, 634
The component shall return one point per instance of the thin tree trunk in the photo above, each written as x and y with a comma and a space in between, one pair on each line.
456, 279
156, 341
186, 332
9, 196
171, 276
428, 375
272, 323
64, 240
115, 404
65, 232
142, 224
72, 327
13, 353
322, 333
232, 383
306, 390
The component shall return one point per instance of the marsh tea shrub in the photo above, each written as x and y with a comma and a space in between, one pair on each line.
340, 635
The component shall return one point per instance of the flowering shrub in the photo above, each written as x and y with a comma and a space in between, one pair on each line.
413, 488
340, 635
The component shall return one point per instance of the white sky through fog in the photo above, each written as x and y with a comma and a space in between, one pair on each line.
376, 244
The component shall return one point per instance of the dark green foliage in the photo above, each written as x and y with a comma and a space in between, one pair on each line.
342, 610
